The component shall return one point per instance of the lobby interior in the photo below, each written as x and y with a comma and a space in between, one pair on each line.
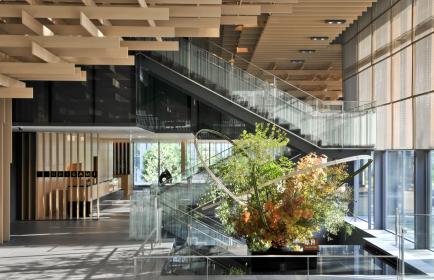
128, 130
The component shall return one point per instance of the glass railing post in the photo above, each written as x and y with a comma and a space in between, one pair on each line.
207, 268
308, 268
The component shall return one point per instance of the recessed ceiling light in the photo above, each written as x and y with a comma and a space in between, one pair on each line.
297, 61
335, 21
306, 51
319, 38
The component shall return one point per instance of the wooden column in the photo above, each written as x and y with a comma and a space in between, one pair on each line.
183, 156
5, 165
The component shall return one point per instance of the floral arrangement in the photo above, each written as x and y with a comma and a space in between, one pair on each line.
287, 211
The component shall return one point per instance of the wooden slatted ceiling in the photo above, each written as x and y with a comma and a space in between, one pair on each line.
90, 32
283, 37
61, 33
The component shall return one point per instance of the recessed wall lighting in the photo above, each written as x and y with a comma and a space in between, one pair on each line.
242, 50
297, 61
306, 51
319, 38
335, 21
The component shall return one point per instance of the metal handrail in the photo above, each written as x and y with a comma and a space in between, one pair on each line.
265, 71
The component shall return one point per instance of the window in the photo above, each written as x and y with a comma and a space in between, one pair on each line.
401, 74
403, 124
400, 190
152, 158
145, 163
381, 38
364, 199
382, 81
401, 24
423, 65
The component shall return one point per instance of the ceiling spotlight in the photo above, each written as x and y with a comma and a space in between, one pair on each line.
306, 51
319, 38
335, 21
297, 61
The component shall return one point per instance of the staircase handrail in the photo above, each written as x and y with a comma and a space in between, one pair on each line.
233, 55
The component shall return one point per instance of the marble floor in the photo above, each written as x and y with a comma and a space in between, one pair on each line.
98, 249
87, 249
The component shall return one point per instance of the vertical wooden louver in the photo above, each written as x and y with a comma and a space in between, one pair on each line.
121, 158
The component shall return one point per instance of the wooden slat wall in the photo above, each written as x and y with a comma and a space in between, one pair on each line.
59, 197
121, 158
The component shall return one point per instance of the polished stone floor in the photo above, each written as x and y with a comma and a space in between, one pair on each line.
101, 249
71, 249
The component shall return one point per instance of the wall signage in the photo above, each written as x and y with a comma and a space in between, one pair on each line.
67, 174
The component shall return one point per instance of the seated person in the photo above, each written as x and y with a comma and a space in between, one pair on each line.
165, 177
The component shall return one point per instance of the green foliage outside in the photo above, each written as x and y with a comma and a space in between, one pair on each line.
170, 158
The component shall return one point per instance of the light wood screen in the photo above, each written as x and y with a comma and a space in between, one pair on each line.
73, 195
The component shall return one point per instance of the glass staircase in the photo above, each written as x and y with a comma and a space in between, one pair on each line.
310, 119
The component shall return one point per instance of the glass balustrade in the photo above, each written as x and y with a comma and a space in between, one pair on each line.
309, 266
310, 118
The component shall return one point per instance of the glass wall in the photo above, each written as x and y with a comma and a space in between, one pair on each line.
388, 53
399, 188
364, 193
180, 158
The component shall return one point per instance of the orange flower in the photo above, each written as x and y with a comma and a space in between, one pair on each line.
268, 206
246, 216
308, 214
298, 213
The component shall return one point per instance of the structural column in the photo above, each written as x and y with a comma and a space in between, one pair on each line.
422, 199
5, 166
379, 187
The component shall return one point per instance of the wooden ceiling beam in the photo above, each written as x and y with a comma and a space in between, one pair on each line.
138, 31
121, 52
16, 92
56, 41
44, 54
193, 22
186, 2
151, 23
73, 12
80, 76
89, 26
304, 72
35, 26
241, 10
197, 32
194, 11
151, 45
276, 9
13, 68
6, 81
100, 61
247, 21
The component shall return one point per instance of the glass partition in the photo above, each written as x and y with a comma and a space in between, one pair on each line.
262, 267
400, 190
